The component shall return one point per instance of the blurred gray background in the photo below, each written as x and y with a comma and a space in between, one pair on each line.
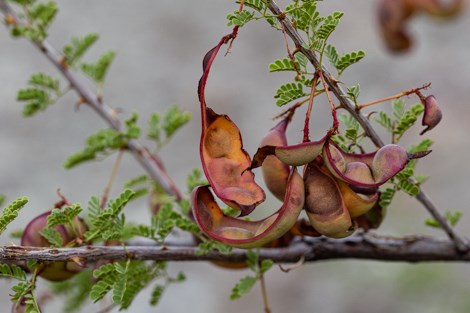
160, 45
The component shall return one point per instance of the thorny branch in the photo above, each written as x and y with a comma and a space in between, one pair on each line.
362, 246
460, 243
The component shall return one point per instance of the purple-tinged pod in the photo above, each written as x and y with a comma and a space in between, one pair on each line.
275, 173
432, 113
295, 155
244, 234
53, 271
324, 203
357, 203
368, 170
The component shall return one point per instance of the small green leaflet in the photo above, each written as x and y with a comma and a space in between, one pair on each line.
289, 92
11, 212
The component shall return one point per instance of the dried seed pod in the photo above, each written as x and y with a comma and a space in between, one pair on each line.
295, 155
373, 218
223, 158
275, 173
248, 234
357, 203
368, 170
432, 113
324, 203
53, 271
393, 15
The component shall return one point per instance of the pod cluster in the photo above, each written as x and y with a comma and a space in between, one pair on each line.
338, 190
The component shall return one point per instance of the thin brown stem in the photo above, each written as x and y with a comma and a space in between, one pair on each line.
330, 101
112, 177
397, 96
264, 293
309, 109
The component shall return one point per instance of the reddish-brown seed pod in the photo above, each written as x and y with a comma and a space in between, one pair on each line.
392, 16
248, 234
275, 173
367, 170
223, 158
324, 203
432, 113
54, 271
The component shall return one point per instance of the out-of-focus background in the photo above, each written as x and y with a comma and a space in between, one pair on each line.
160, 45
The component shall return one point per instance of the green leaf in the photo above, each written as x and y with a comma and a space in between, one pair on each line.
252, 260
101, 143
13, 271
208, 246
97, 71
132, 129
195, 179
282, 65
452, 217
408, 119
52, 236
385, 121
332, 54
353, 93
305, 16
329, 25
78, 47
173, 119
36, 100
349, 59
154, 130
45, 81
239, 18
386, 197
289, 92
74, 291
156, 294
3, 198
64, 216
243, 287
11, 212
266, 265
43, 14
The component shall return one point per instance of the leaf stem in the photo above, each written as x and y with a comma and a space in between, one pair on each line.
264, 292
309, 109
115, 169
399, 95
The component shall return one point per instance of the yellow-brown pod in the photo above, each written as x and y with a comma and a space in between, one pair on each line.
357, 203
324, 203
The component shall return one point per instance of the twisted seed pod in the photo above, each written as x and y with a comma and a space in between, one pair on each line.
248, 234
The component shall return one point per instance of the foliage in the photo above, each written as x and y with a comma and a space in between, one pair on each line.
11, 212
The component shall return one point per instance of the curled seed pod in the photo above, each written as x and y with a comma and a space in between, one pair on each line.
275, 173
393, 15
248, 234
53, 271
324, 203
357, 203
223, 158
368, 170
295, 155
432, 113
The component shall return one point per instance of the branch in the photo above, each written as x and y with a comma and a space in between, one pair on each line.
150, 163
366, 246
460, 243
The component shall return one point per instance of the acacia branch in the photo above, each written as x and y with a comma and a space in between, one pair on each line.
460, 242
150, 162
367, 246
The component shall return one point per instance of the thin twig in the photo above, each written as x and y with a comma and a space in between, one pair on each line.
349, 106
115, 169
399, 95
264, 292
